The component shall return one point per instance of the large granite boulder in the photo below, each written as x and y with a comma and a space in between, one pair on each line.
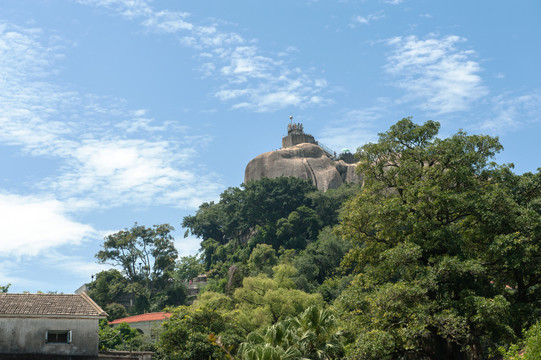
305, 161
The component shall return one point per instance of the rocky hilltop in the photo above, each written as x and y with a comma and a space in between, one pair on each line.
302, 157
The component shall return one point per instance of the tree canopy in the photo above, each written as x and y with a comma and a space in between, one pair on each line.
147, 257
284, 212
438, 238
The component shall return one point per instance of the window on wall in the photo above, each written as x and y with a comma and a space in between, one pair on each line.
58, 336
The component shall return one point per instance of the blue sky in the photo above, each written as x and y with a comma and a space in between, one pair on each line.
121, 111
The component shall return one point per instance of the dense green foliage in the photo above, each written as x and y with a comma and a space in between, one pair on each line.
436, 256
313, 334
188, 267
186, 334
527, 349
123, 338
285, 213
445, 248
320, 260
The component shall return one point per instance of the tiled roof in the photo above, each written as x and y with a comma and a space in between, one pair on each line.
143, 317
49, 304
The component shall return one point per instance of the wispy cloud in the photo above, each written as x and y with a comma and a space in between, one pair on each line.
251, 79
28, 102
110, 155
355, 128
76, 265
119, 172
436, 73
511, 111
393, 2
368, 19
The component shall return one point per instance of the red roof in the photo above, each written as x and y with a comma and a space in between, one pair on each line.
157, 316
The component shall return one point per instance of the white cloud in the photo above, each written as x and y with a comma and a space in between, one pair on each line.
187, 246
27, 102
366, 20
32, 224
148, 160
354, 129
119, 172
436, 74
251, 79
76, 265
512, 111
166, 21
128, 8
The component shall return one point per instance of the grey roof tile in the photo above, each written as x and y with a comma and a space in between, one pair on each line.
49, 304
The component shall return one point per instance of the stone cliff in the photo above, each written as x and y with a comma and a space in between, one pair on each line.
305, 160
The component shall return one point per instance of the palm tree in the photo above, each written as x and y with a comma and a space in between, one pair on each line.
313, 335
249, 351
318, 334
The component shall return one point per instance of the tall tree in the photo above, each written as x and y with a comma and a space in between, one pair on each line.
145, 255
108, 287
422, 229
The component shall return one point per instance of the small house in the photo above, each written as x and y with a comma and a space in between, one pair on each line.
148, 324
52, 326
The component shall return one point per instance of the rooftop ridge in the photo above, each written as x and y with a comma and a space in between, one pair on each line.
92, 303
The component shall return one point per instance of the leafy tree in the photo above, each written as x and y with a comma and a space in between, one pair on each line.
115, 311
174, 293
4, 288
327, 204
422, 287
333, 286
527, 349
286, 213
187, 334
146, 255
320, 259
123, 337
267, 352
264, 301
108, 286
276, 342
188, 267
300, 226
513, 218
318, 334
262, 259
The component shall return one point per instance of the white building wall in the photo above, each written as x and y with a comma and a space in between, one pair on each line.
26, 335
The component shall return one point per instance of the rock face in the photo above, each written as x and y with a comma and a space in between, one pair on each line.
306, 161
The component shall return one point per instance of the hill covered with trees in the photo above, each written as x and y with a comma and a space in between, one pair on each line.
436, 256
